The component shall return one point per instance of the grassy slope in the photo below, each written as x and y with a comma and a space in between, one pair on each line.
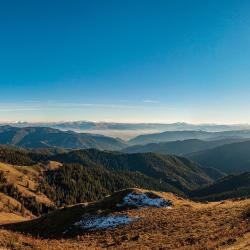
25, 179
188, 225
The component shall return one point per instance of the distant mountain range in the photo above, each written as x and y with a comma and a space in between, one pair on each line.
86, 125
186, 135
43, 137
229, 154
169, 142
129, 130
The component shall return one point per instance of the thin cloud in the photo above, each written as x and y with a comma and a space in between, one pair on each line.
56, 106
151, 101
32, 101
17, 109
95, 105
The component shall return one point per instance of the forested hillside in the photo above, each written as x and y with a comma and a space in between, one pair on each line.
231, 186
74, 183
231, 158
90, 174
75, 176
179, 172
180, 147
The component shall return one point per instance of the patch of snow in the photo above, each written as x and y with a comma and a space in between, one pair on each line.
142, 200
102, 222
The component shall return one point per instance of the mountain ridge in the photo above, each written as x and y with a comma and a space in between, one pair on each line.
230, 158
168, 136
180, 147
149, 170
228, 187
41, 137
167, 168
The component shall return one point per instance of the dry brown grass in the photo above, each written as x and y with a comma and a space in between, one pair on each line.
52, 165
188, 225
6, 217
25, 178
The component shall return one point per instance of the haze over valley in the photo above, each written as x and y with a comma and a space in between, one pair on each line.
127, 131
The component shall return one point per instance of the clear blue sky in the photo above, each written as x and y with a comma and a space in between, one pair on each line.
133, 60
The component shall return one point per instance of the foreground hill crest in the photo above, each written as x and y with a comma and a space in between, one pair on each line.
110, 212
103, 224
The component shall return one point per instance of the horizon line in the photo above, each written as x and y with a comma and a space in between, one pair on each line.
127, 122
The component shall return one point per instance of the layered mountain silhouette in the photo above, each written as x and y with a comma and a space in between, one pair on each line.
186, 135
42, 137
179, 147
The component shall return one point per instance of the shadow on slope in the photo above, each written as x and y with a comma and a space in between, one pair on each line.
62, 222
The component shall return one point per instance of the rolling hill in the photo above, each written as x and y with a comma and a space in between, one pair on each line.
231, 158
178, 173
99, 173
42, 137
186, 135
178, 147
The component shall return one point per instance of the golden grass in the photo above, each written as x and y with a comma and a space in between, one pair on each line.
25, 178
188, 225
52, 165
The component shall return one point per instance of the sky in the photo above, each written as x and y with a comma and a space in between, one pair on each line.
125, 61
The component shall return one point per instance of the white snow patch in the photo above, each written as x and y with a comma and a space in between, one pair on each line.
142, 200
102, 222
